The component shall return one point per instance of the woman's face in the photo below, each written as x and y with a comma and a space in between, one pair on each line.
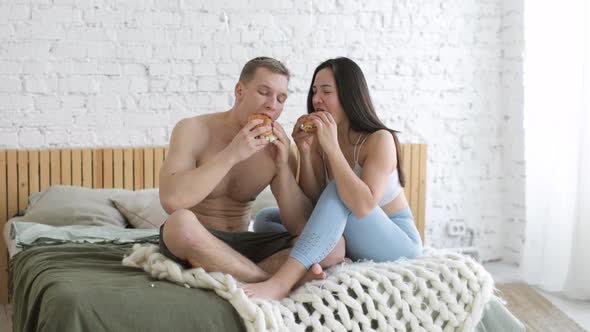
325, 95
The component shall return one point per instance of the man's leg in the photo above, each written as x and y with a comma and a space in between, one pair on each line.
188, 240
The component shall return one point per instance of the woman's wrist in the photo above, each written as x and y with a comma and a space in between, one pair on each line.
334, 154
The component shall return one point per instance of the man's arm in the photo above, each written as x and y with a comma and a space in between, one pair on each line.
182, 184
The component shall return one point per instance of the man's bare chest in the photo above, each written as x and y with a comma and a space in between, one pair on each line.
246, 179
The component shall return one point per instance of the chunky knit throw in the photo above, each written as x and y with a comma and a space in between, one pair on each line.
440, 291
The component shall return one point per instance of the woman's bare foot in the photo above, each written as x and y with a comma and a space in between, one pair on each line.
271, 289
274, 288
315, 272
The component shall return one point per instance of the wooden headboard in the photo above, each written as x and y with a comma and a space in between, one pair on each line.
24, 172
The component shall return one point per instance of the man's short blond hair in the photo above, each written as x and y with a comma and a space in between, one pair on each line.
275, 66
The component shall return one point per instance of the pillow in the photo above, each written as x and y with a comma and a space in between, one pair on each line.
69, 205
141, 208
32, 199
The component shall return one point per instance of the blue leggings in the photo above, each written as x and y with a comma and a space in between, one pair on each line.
377, 237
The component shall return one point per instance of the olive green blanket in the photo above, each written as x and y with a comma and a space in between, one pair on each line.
84, 287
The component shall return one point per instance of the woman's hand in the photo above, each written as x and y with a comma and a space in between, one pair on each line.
303, 140
327, 130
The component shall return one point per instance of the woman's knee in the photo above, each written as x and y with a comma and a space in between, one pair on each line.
268, 220
331, 189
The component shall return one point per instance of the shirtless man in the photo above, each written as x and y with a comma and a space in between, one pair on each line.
216, 166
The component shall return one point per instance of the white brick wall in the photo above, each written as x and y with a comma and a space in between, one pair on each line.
120, 73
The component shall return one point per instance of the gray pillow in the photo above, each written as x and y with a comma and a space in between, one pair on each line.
69, 205
141, 208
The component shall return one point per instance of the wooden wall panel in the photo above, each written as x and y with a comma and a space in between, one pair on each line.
12, 183
158, 160
87, 168
33, 171
77, 167
107, 163
23, 179
3, 218
44, 177
3, 189
148, 167
55, 167
97, 168
128, 169
118, 168
66, 167
138, 176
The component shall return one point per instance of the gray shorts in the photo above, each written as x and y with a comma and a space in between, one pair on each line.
254, 246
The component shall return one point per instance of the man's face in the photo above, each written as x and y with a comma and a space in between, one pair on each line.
265, 94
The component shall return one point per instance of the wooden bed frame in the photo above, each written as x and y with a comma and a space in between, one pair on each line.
24, 172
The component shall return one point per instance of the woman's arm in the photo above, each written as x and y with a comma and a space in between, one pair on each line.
361, 195
311, 180
311, 174
294, 207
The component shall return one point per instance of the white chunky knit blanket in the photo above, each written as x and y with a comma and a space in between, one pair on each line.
436, 292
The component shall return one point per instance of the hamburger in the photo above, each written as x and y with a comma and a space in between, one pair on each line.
308, 127
269, 136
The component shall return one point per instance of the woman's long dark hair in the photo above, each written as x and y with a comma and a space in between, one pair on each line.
354, 97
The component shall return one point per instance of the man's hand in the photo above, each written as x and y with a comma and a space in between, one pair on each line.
245, 143
302, 139
282, 145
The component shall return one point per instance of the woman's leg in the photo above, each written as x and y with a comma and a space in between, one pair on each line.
382, 238
268, 220
321, 234
323, 230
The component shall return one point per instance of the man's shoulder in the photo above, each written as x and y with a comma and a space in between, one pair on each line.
195, 129
193, 121
198, 124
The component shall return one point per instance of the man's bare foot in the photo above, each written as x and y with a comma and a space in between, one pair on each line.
275, 289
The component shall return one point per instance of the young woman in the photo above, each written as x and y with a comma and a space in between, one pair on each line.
350, 169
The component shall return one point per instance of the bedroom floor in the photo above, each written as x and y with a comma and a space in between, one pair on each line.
549, 309
508, 281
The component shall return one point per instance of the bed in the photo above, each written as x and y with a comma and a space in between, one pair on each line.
69, 276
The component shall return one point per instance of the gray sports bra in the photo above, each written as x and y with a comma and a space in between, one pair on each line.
393, 187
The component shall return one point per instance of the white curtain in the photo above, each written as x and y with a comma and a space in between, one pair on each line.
557, 146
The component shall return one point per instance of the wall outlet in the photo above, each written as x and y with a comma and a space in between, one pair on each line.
456, 228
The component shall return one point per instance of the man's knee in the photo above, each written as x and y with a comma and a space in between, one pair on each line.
336, 256
182, 231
